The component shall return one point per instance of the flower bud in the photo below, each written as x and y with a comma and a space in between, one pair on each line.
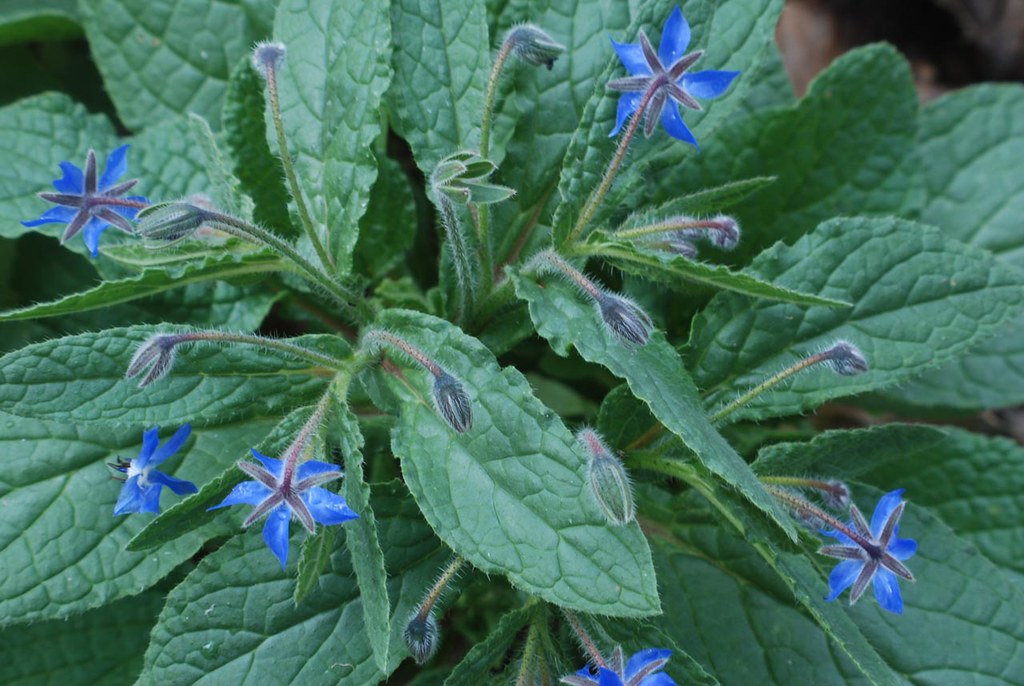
845, 358
267, 55
723, 232
157, 354
421, 636
680, 246
625, 318
168, 223
452, 402
462, 177
836, 495
533, 45
608, 479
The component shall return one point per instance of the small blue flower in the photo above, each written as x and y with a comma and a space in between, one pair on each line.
141, 490
651, 78
278, 493
643, 669
87, 205
874, 554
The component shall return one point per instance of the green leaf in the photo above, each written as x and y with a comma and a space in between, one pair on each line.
733, 33
59, 539
770, 84
166, 59
388, 229
478, 662
659, 265
511, 495
919, 299
245, 132
152, 281
331, 84
362, 540
654, 373
31, 20
35, 135
843, 148
103, 646
232, 620
442, 60
227, 193
194, 512
702, 202
848, 454
967, 147
973, 483
81, 378
314, 560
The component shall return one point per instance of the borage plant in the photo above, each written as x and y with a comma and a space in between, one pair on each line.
506, 388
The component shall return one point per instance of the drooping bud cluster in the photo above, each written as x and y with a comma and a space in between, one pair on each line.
533, 45
267, 57
622, 316
844, 358
155, 357
421, 636
449, 394
168, 223
608, 479
680, 234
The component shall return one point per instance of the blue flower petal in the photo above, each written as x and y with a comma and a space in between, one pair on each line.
275, 533
659, 679
675, 38
150, 497
179, 486
150, 439
632, 56
327, 508
674, 124
312, 467
91, 234
638, 661
53, 215
606, 677
273, 465
886, 504
72, 182
117, 165
887, 591
245, 493
902, 548
130, 498
172, 445
707, 84
843, 576
838, 535
627, 105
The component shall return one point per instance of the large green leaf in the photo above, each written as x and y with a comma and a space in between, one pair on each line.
233, 621
968, 144
919, 299
61, 546
104, 646
442, 59
975, 484
29, 20
81, 378
331, 84
168, 58
655, 374
511, 494
152, 281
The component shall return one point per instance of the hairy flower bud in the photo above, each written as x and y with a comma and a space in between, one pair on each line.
608, 479
680, 246
723, 232
845, 358
452, 402
157, 355
836, 495
168, 223
625, 318
267, 55
421, 636
533, 45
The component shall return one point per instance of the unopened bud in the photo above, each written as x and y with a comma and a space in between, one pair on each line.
267, 56
462, 177
836, 495
723, 232
452, 402
680, 246
625, 318
533, 45
157, 355
608, 479
845, 358
421, 636
170, 222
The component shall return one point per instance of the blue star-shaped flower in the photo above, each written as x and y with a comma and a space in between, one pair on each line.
643, 669
89, 205
141, 490
873, 554
662, 77
279, 492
